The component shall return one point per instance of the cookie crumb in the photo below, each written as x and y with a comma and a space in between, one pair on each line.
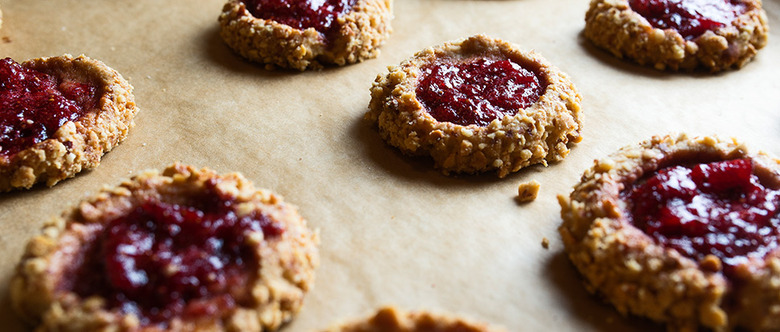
545, 243
711, 263
527, 191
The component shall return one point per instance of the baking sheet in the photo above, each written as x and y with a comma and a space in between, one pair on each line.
394, 231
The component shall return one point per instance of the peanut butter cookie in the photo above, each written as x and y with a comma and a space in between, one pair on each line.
476, 105
181, 250
681, 230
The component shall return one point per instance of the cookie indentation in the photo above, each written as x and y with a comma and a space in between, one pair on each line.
179, 250
320, 15
691, 18
33, 105
718, 208
477, 91
202, 247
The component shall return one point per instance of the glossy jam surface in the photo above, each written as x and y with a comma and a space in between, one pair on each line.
691, 18
476, 91
301, 14
33, 105
165, 260
719, 208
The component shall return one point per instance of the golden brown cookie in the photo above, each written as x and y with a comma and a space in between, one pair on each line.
475, 105
680, 230
713, 35
73, 110
181, 250
390, 319
306, 34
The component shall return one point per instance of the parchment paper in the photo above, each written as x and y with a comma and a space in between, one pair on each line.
394, 231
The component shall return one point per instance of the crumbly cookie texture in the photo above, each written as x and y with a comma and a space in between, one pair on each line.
391, 319
362, 31
77, 145
538, 134
527, 191
285, 263
614, 26
638, 276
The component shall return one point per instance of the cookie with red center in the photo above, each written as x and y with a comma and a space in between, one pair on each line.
181, 250
306, 34
58, 116
391, 319
476, 105
681, 230
679, 34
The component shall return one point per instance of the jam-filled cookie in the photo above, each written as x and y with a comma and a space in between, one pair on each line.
679, 34
681, 230
58, 116
390, 319
475, 105
181, 250
306, 34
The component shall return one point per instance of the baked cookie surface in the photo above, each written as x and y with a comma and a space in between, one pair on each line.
306, 34
181, 250
59, 116
680, 230
475, 105
673, 34
390, 319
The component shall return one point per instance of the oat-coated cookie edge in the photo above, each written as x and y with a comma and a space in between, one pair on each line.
390, 318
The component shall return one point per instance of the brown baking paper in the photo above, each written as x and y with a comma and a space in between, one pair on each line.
393, 230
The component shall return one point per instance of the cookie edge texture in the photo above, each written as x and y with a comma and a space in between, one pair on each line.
612, 25
363, 31
538, 134
389, 318
628, 269
90, 136
285, 275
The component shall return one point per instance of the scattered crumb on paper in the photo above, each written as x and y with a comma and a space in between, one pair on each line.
527, 191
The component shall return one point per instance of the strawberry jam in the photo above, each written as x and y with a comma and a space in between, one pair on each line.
477, 91
691, 18
165, 260
719, 208
301, 14
33, 105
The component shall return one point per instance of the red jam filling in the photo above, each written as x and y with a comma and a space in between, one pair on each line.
301, 14
166, 260
33, 105
691, 18
719, 208
476, 91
